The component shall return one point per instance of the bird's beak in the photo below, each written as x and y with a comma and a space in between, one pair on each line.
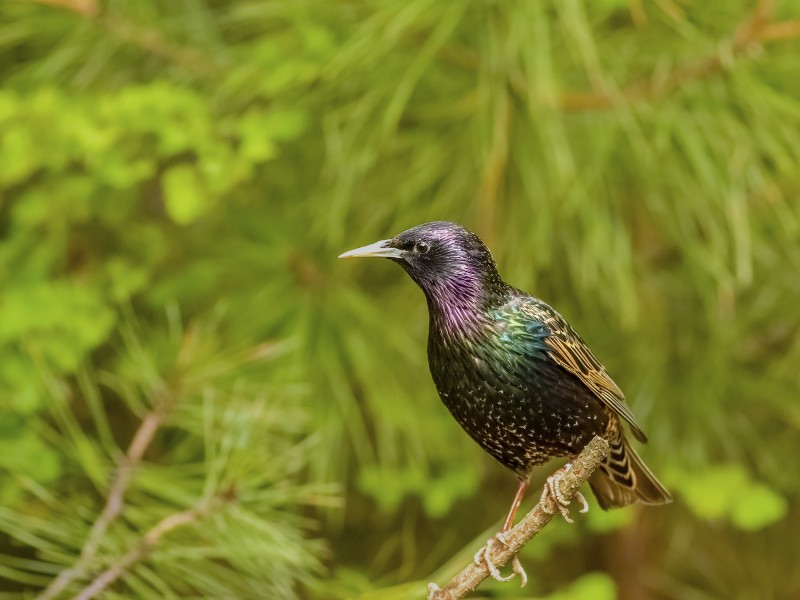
381, 249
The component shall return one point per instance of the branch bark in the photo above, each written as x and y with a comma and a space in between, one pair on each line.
115, 501
142, 550
469, 578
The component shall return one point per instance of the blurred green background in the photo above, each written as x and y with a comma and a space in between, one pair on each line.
199, 400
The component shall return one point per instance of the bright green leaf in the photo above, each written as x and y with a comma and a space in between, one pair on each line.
594, 586
185, 198
757, 507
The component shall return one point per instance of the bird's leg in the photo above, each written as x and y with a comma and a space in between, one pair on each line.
553, 498
485, 553
512, 512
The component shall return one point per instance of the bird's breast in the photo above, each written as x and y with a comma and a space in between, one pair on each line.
512, 399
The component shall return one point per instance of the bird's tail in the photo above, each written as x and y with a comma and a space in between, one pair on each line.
623, 478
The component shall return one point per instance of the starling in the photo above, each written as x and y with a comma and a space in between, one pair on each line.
512, 371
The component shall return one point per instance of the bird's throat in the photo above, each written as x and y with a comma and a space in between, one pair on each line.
458, 306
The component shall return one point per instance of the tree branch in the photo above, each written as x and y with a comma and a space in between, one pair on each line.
146, 38
81, 7
751, 34
142, 549
115, 501
468, 579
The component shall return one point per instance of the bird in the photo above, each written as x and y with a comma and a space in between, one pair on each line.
515, 375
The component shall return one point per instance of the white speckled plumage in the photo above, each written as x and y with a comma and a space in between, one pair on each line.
511, 370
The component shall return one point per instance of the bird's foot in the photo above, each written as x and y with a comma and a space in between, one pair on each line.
484, 555
553, 498
433, 590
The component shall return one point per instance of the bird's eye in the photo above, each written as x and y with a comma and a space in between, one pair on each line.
421, 248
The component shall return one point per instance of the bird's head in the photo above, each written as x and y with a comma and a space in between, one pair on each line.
442, 257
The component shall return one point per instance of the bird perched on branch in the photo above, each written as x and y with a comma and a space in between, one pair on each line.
514, 374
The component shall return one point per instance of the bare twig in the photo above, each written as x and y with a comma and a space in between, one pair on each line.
780, 31
82, 7
146, 38
755, 31
468, 579
115, 501
140, 551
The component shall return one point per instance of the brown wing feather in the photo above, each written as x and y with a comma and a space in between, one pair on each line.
571, 352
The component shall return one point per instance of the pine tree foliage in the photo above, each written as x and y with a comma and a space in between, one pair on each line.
203, 501
176, 180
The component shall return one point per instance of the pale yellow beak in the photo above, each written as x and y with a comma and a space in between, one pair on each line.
379, 249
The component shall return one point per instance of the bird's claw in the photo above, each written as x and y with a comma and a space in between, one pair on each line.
433, 590
484, 555
584, 504
516, 567
553, 498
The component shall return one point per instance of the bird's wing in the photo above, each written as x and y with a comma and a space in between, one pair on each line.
567, 348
